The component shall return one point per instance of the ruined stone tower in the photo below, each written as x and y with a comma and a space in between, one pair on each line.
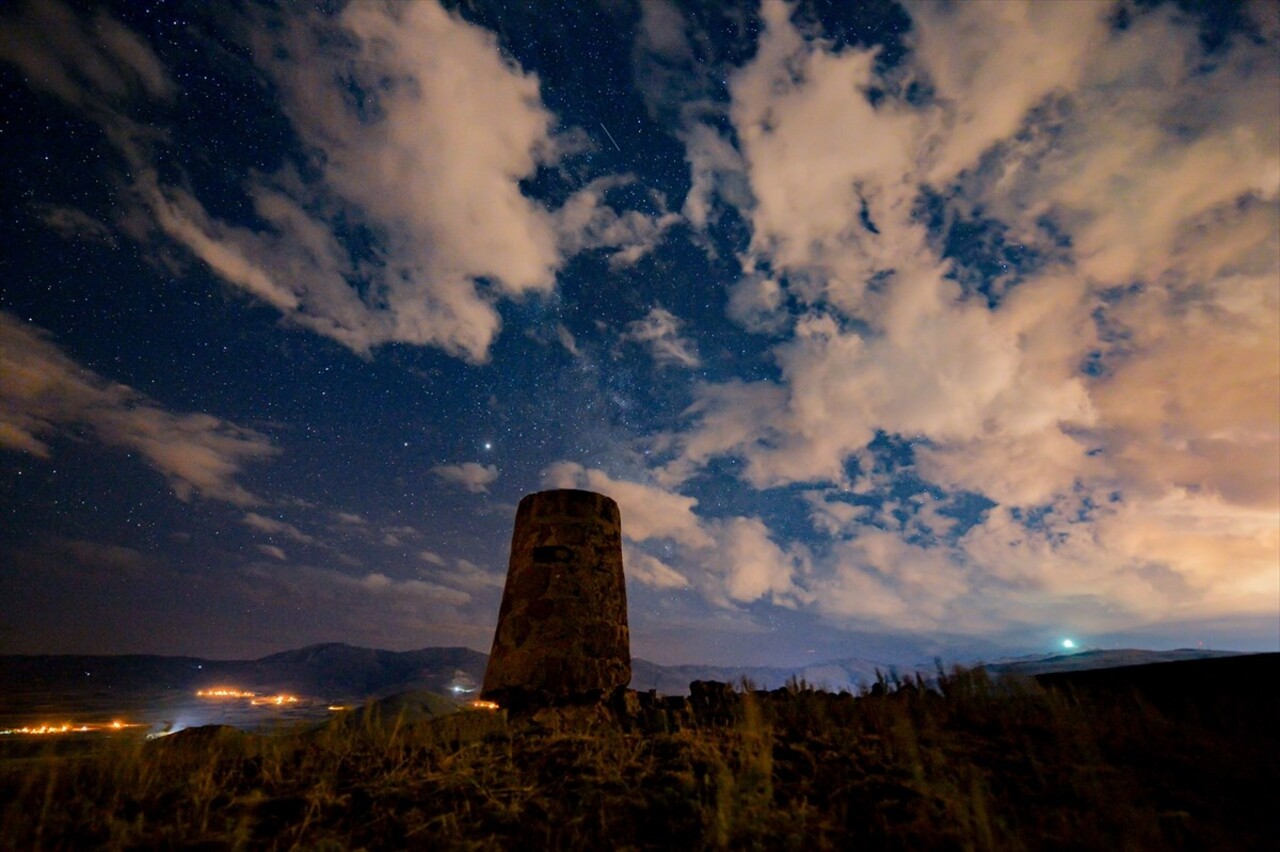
562, 630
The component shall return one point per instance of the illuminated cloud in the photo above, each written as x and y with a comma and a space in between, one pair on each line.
659, 330
46, 395
79, 60
273, 551
274, 527
650, 571
1000, 342
649, 512
983, 95
586, 222
429, 163
1123, 416
736, 560
472, 476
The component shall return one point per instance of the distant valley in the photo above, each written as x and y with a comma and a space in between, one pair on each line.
161, 690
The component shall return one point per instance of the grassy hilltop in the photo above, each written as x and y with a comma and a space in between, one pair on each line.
971, 763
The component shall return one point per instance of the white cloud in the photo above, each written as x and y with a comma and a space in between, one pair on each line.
659, 330
678, 84
716, 170
431, 163
648, 511
984, 93
44, 393
748, 566
816, 153
428, 159
1151, 165
472, 476
755, 303
650, 571
877, 578
730, 560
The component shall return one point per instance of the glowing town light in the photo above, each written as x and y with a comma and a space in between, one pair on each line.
67, 728
228, 693
484, 705
1068, 644
224, 692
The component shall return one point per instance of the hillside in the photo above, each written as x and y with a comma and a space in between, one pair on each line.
976, 763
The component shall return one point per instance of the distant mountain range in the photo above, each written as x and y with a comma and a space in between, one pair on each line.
334, 671
339, 672
1099, 659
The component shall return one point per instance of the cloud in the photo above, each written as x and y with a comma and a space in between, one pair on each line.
650, 571
648, 511
755, 303
879, 579
886, 340
472, 476
984, 94
94, 561
46, 394
371, 608
1121, 390
273, 551
817, 153
716, 171
749, 566
432, 162
567, 340
731, 560
79, 60
659, 330
418, 132
273, 527
585, 222
473, 578
395, 536
679, 72
75, 224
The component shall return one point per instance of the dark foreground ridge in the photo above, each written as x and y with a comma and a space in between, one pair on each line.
965, 762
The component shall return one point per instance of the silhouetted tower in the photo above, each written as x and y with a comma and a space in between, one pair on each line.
562, 630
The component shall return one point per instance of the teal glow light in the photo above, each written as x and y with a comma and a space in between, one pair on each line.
1068, 644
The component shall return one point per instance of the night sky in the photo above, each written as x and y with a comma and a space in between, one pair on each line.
895, 330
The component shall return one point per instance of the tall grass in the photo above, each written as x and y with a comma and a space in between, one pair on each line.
963, 762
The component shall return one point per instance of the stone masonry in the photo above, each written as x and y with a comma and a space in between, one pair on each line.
562, 630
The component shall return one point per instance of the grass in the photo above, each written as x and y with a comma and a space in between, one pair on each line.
968, 763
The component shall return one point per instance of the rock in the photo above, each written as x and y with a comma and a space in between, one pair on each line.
712, 702
562, 633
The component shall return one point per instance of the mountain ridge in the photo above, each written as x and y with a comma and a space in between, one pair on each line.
338, 670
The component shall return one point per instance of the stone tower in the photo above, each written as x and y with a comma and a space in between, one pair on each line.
562, 630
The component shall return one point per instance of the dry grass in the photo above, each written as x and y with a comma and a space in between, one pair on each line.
976, 765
